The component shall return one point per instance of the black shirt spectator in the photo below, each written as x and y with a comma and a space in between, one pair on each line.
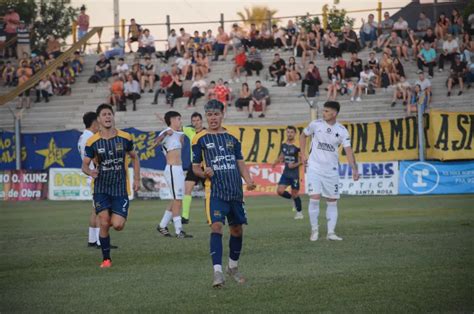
355, 66
103, 68
278, 68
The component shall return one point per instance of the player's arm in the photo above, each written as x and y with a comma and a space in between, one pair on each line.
136, 169
278, 160
85, 167
352, 162
197, 160
244, 172
303, 139
161, 137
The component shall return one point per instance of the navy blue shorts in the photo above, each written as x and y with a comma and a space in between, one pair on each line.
114, 204
218, 210
293, 182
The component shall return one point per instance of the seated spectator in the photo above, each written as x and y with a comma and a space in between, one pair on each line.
457, 23
401, 91
422, 25
254, 62
260, 100
301, 44
279, 38
292, 75
388, 74
426, 57
68, 74
373, 62
237, 38
53, 47
148, 76
368, 31
134, 33
263, 39
333, 46
230, 95
201, 65
385, 28
340, 65
211, 90
418, 97
8, 74
442, 25
172, 45
221, 93
77, 62
165, 80
366, 81
196, 41
401, 27
24, 69
23, 77
334, 83
137, 71
131, 90
291, 33
350, 42
198, 89
312, 78
116, 92
183, 40
36, 63
319, 31
117, 45
354, 68
450, 50
184, 65
210, 42
174, 89
399, 70
244, 98
395, 45
277, 69
146, 43
466, 42
458, 72
413, 41
240, 60
425, 85
430, 38
103, 68
122, 69
311, 47
44, 89
50, 59
221, 44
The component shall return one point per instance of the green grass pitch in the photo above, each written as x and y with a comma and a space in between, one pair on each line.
399, 254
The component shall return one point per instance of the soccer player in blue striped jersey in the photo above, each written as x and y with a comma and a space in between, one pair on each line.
110, 150
223, 170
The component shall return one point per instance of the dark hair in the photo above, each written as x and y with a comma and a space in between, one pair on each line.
121, 59
258, 82
103, 107
181, 29
196, 114
333, 105
169, 115
89, 118
290, 127
146, 30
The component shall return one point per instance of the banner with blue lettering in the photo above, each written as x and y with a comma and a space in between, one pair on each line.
436, 177
41, 151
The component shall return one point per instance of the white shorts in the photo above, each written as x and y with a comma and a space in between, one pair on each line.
174, 177
327, 186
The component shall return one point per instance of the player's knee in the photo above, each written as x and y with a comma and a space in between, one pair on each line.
216, 228
280, 191
294, 193
118, 226
315, 197
236, 231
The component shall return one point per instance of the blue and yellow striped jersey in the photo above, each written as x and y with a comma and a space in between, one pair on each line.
110, 157
221, 152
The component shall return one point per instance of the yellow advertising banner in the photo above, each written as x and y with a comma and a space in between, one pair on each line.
448, 135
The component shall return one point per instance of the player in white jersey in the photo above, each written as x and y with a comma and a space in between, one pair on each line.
92, 127
171, 140
323, 166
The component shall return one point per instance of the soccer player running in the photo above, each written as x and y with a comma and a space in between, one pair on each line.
323, 166
224, 169
291, 177
171, 140
191, 179
110, 150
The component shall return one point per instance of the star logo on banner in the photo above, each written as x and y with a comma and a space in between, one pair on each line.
53, 154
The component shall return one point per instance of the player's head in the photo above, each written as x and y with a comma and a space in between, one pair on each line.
105, 116
290, 132
330, 110
214, 113
90, 121
196, 120
173, 120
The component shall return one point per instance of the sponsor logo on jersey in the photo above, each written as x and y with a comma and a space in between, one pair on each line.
326, 147
210, 145
119, 146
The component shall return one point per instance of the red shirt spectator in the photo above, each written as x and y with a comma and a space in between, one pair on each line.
165, 79
241, 59
221, 92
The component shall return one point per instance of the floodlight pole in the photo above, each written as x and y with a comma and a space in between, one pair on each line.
116, 15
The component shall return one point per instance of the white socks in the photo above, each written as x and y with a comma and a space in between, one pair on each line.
313, 211
331, 216
218, 268
166, 219
97, 231
232, 263
178, 226
92, 235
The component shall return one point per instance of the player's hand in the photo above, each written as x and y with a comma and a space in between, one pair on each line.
94, 173
136, 185
209, 172
304, 159
355, 175
251, 186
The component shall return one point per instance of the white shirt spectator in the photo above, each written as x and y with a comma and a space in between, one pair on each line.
423, 84
201, 84
130, 88
147, 41
182, 62
172, 42
403, 25
366, 77
46, 85
367, 28
451, 46
122, 69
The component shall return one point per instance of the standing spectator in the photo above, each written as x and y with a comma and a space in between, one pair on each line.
260, 100
401, 27
450, 50
401, 91
103, 68
198, 89
183, 40
457, 23
116, 92
23, 39
292, 74
117, 45
122, 69
172, 46
385, 27
134, 33
44, 89
53, 47
422, 25
426, 57
240, 60
254, 62
8, 74
221, 45
366, 78
244, 98
277, 69
146, 43
441, 27
221, 92
23, 77
132, 90
425, 85
458, 71
11, 20
83, 25
368, 32
313, 79
148, 76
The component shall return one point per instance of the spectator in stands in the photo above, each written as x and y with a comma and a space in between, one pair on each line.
44, 89
8, 74
210, 42
149, 76
279, 38
350, 42
399, 69
146, 43
333, 86
240, 60
237, 38
134, 33
122, 69
401, 91
68, 74
211, 90
277, 69
137, 71
341, 66
385, 27
201, 65
301, 45
82, 25
425, 85
355, 66
183, 40
245, 96
117, 45
260, 100
465, 43
291, 33
184, 65
103, 68
53, 47
165, 80
388, 74
442, 25
333, 46
395, 45
221, 92
132, 90
23, 39
470, 21
450, 50
426, 57
401, 27
418, 97
196, 42
23, 76
198, 89
366, 81
77, 62
36, 64
311, 47
174, 89
254, 62
368, 31
221, 45
312, 78
430, 38
3, 38
457, 23
172, 46
422, 24
263, 38
458, 72
292, 75
116, 92
413, 41
11, 20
